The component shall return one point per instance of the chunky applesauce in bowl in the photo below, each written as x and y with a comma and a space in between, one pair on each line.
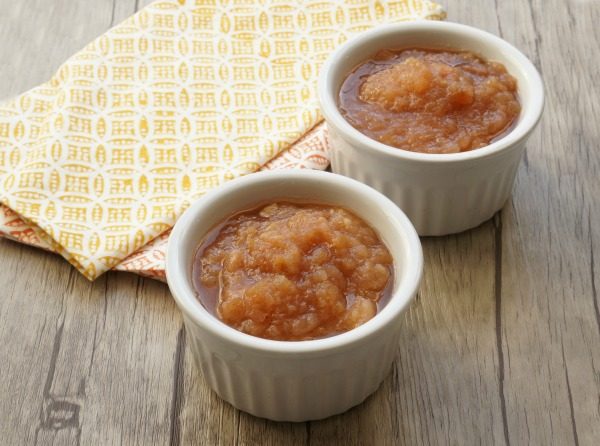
293, 271
433, 114
430, 100
293, 287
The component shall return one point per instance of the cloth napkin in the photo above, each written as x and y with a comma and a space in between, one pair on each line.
97, 163
310, 152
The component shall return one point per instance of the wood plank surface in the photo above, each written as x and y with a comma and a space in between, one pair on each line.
502, 345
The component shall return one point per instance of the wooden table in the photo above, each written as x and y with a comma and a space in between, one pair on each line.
501, 346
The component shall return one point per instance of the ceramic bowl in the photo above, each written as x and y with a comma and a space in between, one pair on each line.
440, 193
300, 380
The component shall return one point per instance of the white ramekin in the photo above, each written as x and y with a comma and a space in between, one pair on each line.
440, 193
304, 380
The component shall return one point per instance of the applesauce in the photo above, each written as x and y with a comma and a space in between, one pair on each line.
430, 101
293, 271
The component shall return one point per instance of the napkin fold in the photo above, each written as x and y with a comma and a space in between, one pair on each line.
97, 163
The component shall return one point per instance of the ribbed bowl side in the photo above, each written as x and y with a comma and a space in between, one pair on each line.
436, 204
285, 390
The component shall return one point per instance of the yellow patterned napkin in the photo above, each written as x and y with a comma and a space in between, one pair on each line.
176, 100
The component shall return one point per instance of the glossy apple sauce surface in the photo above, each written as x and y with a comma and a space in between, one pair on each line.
430, 101
293, 271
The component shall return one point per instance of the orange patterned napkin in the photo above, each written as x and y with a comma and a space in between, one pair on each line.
100, 161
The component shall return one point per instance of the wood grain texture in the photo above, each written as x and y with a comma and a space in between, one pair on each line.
502, 345
550, 324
